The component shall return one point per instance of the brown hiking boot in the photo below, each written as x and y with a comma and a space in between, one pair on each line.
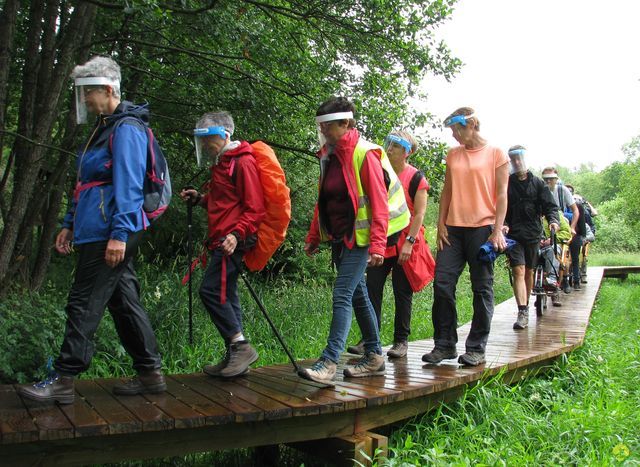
371, 364
241, 355
148, 382
214, 370
54, 388
438, 354
357, 349
398, 350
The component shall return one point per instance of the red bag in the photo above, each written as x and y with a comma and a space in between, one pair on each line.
420, 267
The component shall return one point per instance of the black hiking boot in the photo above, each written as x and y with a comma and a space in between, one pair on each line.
438, 354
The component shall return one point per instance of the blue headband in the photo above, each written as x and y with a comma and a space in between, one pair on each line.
517, 152
212, 130
401, 141
461, 119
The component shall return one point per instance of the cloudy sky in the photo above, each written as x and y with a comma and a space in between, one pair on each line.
561, 77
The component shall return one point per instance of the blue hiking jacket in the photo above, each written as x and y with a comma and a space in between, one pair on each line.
107, 203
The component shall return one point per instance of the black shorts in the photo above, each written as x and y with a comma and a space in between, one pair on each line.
524, 254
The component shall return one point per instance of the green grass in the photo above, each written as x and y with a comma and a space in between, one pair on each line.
614, 259
584, 411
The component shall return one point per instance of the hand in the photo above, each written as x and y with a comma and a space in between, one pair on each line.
497, 240
443, 237
553, 227
189, 194
375, 260
311, 249
229, 244
545, 242
63, 241
573, 232
405, 253
505, 229
114, 253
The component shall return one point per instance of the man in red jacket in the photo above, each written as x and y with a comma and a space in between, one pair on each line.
235, 208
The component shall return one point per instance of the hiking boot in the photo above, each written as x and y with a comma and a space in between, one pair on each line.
357, 349
241, 355
398, 350
523, 319
437, 355
323, 371
214, 370
147, 382
583, 279
471, 358
370, 364
555, 300
577, 286
54, 388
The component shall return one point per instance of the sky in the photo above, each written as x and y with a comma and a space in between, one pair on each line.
561, 77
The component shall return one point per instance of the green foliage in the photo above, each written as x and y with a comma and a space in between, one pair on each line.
581, 412
614, 231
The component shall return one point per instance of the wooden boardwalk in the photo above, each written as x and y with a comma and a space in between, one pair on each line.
272, 405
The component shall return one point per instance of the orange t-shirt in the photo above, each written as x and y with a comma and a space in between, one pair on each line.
473, 185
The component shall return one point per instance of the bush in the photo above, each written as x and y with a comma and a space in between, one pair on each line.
614, 231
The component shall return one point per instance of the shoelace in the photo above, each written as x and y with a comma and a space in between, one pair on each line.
362, 363
51, 377
319, 365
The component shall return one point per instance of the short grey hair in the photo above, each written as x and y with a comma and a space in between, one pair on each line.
100, 67
223, 119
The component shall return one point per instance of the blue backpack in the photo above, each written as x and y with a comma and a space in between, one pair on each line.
156, 187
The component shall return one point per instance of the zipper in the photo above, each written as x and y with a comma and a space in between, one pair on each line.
101, 207
80, 166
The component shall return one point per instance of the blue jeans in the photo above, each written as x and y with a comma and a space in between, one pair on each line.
350, 291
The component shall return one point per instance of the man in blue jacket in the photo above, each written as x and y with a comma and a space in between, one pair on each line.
105, 224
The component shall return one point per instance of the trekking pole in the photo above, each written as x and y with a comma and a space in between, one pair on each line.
190, 258
264, 312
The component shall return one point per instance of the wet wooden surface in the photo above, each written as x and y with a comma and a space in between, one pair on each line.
272, 404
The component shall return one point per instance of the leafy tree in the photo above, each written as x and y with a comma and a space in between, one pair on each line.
269, 62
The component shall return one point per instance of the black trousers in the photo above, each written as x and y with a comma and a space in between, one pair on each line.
95, 287
450, 262
402, 294
227, 317
574, 248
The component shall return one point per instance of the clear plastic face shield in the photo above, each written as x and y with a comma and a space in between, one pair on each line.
392, 140
200, 136
461, 119
84, 88
518, 164
324, 119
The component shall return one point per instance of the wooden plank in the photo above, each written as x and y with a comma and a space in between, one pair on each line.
85, 420
50, 420
118, 417
16, 424
214, 413
152, 417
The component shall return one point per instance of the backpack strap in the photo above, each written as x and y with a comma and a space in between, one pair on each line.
415, 183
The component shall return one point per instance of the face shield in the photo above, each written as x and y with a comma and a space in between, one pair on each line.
84, 87
199, 135
394, 139
320, 119
461, 119
518, 164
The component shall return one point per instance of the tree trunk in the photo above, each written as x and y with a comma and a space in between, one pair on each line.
7, 33
38, 125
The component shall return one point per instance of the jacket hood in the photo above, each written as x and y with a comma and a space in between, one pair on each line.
344, 146
244, 148
128, 109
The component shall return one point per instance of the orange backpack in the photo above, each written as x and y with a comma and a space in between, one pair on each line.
273, 229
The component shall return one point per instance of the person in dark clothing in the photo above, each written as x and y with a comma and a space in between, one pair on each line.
528, 198
105, 224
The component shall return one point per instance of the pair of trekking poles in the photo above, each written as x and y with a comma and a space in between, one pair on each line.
190, 204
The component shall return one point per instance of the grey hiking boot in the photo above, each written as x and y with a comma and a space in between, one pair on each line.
241, 355
370, 364
438, 354
214, 370
471, 358
148, 382
523, 319
555, 299
357, 349
54, 388
398, 350
322, 371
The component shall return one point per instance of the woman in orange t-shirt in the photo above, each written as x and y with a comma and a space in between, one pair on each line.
472, 210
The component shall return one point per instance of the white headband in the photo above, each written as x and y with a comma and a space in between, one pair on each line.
333, 116
97, 80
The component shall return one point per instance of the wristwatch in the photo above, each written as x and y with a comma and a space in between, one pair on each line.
410, 239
